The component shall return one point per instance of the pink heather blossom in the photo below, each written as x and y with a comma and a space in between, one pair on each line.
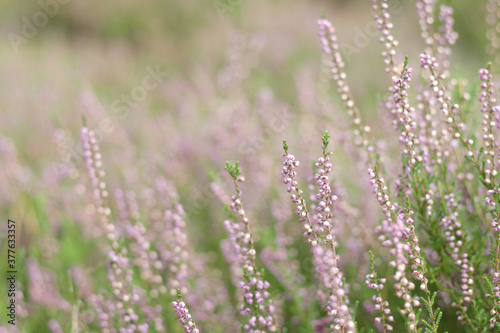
184, 316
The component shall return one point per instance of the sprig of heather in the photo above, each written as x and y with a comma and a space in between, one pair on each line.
382, 306
331, 49
407, 252
324, 259
392, 234
119, 273
455, 240
428, 131
290, 178
489, 109
438, 43
454, 130
282, 261
257, 306
404, 112
144, 256
43, 288
181, 265
449, 113
382, 18
382, 195
407, 128
418, 270
183, 314
425, 10
325, 195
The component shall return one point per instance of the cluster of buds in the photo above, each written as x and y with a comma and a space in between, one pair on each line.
330, 276
491, 200
331, 49
453, 234
395, 233
184, 316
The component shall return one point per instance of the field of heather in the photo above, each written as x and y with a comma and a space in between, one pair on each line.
230, 166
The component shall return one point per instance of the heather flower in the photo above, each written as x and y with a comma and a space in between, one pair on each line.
257, 308
323, 246
281, 260
120, 274
455, 241
492, 34
418, 267
404, 114
425, 10
393, 234
331, 49
181, 265
490, 115
447, 36
325, 196
436, 241
184, 316
492, 200
380, 190
382, 17
398, 233
43, 288
382, 307
290, 179
449, 112
13, 175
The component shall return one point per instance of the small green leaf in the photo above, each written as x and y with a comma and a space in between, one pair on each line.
285, 146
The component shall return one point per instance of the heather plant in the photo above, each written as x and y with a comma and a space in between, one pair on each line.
366, 233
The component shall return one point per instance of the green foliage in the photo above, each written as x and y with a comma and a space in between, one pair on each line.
234, 170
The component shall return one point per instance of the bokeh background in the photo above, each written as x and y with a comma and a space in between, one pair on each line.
230, 68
